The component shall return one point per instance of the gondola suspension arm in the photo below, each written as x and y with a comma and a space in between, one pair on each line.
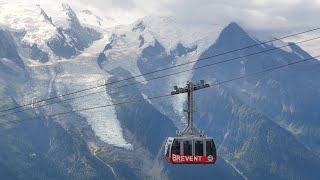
190, 88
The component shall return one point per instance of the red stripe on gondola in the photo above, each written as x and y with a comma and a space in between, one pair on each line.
179, 159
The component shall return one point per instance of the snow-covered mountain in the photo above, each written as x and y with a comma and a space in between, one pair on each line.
258, 123
41, 37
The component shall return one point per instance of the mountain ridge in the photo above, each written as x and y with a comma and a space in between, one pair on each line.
241, 116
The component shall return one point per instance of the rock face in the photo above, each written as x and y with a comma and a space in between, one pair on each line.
72, 37
139, 27
246, 115
37, 54
278, 93
8, 49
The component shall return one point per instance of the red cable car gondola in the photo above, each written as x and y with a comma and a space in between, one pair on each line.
190, 146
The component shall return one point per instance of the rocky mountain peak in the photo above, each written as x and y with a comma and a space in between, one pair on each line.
44, 14
72, 17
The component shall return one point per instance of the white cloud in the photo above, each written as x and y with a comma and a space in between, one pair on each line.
253, 14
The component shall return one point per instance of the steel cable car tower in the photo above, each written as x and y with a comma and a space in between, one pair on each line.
190, 88
190, 146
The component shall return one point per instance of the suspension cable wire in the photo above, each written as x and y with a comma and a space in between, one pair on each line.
159, 77
162, 96
267, 70
189, 62
85, 109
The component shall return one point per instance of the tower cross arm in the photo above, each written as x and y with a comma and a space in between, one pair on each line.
179, 90
186, 89
201, 86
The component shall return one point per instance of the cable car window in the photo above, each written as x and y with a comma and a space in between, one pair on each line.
210, 149
176, 147
214, 149
198, 148
187, 148
168, 150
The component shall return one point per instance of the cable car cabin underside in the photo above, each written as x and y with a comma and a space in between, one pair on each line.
190, 150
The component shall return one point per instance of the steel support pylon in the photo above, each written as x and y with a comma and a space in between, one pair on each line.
190, 88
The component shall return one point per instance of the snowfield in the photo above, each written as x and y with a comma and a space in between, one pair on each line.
103, 121
29, 19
